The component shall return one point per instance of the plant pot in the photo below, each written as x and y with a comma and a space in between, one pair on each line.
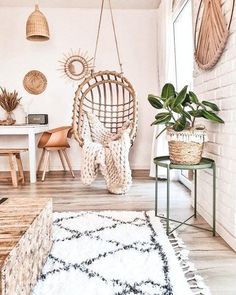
186, 147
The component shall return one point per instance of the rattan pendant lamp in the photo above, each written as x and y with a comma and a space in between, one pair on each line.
37, 26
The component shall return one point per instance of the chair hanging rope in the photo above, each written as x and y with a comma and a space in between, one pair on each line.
105, 117
114, 32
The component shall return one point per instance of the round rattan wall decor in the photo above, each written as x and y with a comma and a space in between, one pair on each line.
35, 82
211, 32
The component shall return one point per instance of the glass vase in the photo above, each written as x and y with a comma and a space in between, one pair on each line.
10, 118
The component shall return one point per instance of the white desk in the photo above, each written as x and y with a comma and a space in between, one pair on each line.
30, 131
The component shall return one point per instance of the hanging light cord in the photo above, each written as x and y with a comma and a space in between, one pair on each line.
114, 32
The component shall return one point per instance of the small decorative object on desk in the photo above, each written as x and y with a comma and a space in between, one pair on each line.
9, 102
41, 119
185, 138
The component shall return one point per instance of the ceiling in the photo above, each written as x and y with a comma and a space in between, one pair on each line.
119, 4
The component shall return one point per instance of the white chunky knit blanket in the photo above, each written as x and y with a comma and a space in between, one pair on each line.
107, 152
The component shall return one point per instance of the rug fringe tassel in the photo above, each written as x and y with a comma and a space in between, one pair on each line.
195, 281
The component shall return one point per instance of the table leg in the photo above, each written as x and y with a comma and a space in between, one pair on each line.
12, 162
156, 191
214, 200
32, 157
195, 193
168, 201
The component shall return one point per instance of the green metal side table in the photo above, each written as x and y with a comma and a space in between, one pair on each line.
205, 163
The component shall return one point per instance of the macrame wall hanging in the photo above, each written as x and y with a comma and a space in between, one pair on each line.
211, 33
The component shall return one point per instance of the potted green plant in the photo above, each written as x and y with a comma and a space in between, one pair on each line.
179, 113
9, 102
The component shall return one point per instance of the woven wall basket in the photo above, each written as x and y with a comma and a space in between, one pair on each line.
186, 147
35, 82
37, 26
211, 31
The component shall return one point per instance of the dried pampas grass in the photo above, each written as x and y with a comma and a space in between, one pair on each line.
9, 100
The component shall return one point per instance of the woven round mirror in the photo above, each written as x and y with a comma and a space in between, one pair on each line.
76, 65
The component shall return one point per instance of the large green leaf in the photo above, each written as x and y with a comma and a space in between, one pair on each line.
168, 102
168, 90
180, 124
180, 97
162, 118
211, 116
155, 101
186, 114
170, 124
211, 105
187, 100
178, 109
196, 114
193, 97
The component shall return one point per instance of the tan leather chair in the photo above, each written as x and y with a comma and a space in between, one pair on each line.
55, 140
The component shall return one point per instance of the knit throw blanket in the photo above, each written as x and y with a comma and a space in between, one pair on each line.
107, 152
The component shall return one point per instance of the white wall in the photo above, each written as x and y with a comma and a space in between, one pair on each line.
74, 29
219, 86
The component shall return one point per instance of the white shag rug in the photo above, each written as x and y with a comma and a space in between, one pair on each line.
116, 253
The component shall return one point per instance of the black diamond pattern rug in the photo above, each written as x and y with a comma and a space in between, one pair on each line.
114, 253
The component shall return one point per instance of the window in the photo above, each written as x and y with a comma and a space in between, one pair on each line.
183, 46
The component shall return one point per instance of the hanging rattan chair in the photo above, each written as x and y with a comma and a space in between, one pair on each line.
111, 97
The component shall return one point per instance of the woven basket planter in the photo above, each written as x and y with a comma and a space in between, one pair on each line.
37, 26
186, 147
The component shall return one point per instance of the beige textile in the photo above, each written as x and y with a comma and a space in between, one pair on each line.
107, 152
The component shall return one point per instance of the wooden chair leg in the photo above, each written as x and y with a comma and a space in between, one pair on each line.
62, 160
68, 163
45, 165
41, 160
20, 168
12, 164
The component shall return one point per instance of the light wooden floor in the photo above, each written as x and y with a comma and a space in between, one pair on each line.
213, 258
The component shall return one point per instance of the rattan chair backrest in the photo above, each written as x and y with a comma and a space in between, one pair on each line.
111, 97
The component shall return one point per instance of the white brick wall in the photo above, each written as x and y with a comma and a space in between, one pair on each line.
219, 86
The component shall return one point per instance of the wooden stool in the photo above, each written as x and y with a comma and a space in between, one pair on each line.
55, 140
14, 159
